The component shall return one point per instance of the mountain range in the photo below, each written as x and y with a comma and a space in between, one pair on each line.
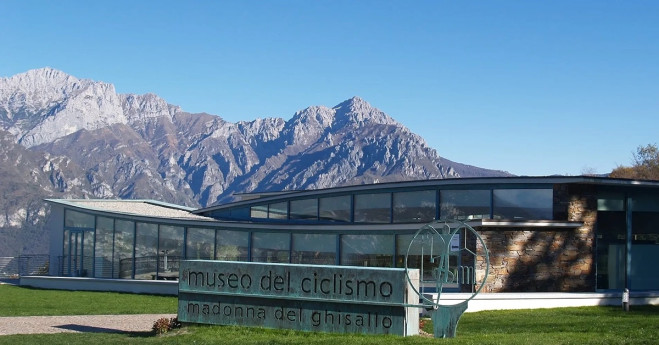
64, 137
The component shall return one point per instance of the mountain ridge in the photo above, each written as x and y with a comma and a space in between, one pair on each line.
84, 140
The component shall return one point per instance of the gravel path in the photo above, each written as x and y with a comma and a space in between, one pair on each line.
79, 323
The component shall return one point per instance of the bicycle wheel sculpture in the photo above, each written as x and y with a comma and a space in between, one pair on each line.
445, 253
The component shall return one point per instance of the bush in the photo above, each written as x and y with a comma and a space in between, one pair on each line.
164, 325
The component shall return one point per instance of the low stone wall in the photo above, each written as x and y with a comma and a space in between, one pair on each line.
538, 261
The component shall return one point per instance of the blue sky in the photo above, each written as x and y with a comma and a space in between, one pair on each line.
531, 87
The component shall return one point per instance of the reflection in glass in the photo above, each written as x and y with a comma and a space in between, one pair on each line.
260, 211
645, 251
304, 209
278, 210
423, 255
76, 219
232, 245
464, 204
314, 249
611, 240
414, 207
200, 244
270, 247
367, 250
104, 240
124, 233
146, 246
336, 208
523, 203
170, 249
373, 208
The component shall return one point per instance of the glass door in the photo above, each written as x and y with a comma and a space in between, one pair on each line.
79, 248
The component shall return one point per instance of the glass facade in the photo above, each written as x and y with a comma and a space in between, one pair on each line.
335, 209
523, 203
367, 250
146, 250
373, 208
306, 209
464, 204
314, 249
200, 244
271, 247
414, 207
232, 245
116, 247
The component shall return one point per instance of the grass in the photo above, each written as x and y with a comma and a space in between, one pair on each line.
586, 325
22, 301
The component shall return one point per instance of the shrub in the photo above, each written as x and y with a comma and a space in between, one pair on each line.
164, 325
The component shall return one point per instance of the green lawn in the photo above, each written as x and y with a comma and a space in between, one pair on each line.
21, 301
587, 325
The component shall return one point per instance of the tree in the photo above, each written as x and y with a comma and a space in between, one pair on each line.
645, 165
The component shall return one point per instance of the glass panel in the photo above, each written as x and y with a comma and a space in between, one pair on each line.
464, 204
78, 219
66, 258
124, 233
423, 252
523, 203
146, 250
259, 211
104, 240
335, 208
373, 208
200, 244
414, 207
644, 273
278, 210
304, 209
367, 250
610, 245
270, 247
232, 245
611, 202
170, 249
87, 254
314, 249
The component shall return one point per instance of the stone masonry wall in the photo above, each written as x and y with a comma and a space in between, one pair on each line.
544, 259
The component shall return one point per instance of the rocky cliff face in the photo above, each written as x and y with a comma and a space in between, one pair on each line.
79, 138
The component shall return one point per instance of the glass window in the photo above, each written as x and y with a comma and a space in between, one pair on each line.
523, 203
76, 219
423, 253
146, 250
373, 208
304, 209
260, 211
610, 244
201, 243
314, 249
464, 204
104, 240
645, 250
270, 247
124, 233
367, 250
611, 202
232, 245
170, 249
414, 207
336, 208
278, 210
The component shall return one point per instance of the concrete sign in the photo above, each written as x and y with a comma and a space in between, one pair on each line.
311, 298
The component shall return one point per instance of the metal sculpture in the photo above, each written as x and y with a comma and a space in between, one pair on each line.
434, 245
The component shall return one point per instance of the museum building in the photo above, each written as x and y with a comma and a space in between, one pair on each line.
543, 234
